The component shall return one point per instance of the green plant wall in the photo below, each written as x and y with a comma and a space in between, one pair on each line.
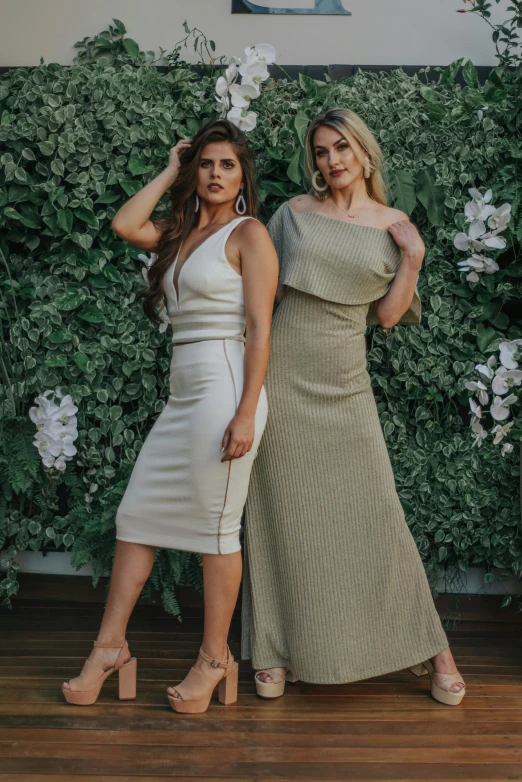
76, 142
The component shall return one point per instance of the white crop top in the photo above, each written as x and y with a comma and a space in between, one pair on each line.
211, 301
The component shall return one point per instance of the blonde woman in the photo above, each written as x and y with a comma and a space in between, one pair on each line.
335, 590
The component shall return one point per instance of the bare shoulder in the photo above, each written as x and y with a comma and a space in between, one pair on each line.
303, 203
251, 230
387, 215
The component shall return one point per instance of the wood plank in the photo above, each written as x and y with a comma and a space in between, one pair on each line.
480, 738
414, 772
144, 755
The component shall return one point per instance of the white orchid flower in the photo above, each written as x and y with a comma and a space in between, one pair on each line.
478, 263
68, 449
500, 218
244, 122
479, 432
494, 242
256, 74
242, 94
499, 410
486, 370
148, 260
506, 448
477, 212
480, 389
263, 52
463, 242
505, 379
500, 432
60, 463
222, 86
510, 353
48, 461
477, 195
475, 409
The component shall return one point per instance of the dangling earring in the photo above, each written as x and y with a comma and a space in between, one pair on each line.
367, 168
314, 182
241, 206
197, 203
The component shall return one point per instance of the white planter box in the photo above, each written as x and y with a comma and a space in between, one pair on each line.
59, 563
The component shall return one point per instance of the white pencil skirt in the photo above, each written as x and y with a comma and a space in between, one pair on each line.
180, 495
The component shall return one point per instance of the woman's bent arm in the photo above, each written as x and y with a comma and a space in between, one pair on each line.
132, 222
259, 266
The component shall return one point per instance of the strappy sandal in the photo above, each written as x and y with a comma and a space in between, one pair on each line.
441, 683
227, 692
126, 672
273, 689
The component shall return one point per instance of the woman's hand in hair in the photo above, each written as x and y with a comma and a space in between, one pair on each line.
175, 152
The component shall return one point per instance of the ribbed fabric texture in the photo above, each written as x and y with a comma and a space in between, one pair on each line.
338, 261
334, 586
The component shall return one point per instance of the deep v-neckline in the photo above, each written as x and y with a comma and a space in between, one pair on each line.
175, 264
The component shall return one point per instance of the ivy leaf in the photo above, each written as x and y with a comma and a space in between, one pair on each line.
56, 361
108, 198
84, 240
81, 361
131, 47
70, 300
310, 86
450, 73
295, 170
131, 186
138, 166
92, 314
65, 220
120, 26
431, 195
470, 74
86, 216
402, 184
111, 273
301, 123
487, 340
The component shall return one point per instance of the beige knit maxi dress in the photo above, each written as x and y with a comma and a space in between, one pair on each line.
334, 587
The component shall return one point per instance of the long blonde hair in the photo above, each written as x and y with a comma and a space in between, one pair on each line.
353, 129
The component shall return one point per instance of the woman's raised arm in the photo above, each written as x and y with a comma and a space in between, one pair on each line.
132, 222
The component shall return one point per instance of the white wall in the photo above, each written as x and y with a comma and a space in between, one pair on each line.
379, 32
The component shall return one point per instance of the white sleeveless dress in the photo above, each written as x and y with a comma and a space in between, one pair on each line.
180, 495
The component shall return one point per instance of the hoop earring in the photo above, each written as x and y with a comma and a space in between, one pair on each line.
315, 185
241, 206
197, 203
367, 168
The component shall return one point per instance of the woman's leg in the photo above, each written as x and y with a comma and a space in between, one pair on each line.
131, 569
221, 580
444, 663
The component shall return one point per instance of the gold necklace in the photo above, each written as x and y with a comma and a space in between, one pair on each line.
347, 213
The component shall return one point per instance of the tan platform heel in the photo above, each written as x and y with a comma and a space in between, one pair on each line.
227, 686
441, 683
273, 689
126, 672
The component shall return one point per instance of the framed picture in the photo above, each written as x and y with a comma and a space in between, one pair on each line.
324, 7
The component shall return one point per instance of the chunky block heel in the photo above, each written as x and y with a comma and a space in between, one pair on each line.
227, 692
273, 689
419, 670
127, 680
86, 696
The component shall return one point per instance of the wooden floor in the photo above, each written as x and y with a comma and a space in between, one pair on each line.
386, 728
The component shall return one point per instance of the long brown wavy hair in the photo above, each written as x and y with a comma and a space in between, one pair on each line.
183, 218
